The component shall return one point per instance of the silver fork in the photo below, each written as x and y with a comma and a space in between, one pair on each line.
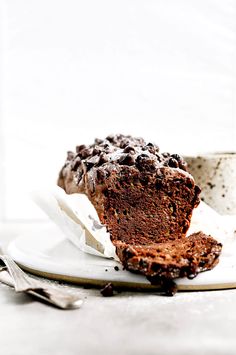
55, 295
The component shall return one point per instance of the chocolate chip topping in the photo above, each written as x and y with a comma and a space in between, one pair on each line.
103, 159
98, 141
88, 165
145, 162
173, 163
118, 152
79, 148
107, 290
97, 150
86, 153
126, 159
177, 157
129, 149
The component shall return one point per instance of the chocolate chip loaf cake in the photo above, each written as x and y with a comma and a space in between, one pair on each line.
143, 196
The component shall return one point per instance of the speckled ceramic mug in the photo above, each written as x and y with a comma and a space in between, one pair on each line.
215, 173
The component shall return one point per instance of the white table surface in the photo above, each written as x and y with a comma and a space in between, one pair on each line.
128, 323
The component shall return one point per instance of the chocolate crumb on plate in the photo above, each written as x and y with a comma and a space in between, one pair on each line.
107, 290
168, 285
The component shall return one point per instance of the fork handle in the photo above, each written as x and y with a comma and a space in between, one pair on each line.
59, 299
23, 283
20, 280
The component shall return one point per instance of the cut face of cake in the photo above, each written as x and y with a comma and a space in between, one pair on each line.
142, 196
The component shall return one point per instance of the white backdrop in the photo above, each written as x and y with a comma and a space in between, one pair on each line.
72, 70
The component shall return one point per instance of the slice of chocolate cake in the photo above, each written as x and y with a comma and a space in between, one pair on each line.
145, 199
172, 259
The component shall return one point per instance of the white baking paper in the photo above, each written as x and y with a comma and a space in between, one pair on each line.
78, 219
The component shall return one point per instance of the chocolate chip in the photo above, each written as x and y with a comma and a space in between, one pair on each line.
86, 152
144, 180
76, 163
159, 183
79, 148
141, 156
140, 159
129, 149
189, 183
151, 145
144, 162
124, 143
192, 276
159, 158
103, 159
106, 194
173, 163
170, 287
70, 155
107, 148
127, 159
98, 141
165, 155
143, 263
177, 157
107, 291
183, 165
110, 138
152, 148
116, 268
88, 165
97, 150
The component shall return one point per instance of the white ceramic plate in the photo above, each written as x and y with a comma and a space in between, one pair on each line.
49, 253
